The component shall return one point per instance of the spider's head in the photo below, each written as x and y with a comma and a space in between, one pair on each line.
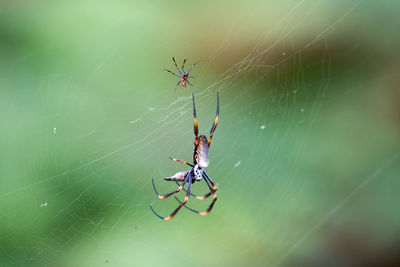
201, 151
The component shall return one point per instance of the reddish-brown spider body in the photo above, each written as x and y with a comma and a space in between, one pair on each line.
184, 79
183, 75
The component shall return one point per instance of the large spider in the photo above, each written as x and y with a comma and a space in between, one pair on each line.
183, 74
196, 173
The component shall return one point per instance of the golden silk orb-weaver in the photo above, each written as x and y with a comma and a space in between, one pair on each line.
196, 173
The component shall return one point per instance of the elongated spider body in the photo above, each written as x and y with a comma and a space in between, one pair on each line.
196, 173
184, 75
200, 151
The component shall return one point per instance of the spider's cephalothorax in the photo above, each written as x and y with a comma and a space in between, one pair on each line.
196, 173
184, 75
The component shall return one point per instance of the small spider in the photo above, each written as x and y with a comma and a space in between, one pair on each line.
196, 173
183, 74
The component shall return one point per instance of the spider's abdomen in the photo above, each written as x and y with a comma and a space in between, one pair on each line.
201, 153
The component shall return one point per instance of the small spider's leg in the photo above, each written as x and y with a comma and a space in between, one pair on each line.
196, 196
191, 67
173, 73
176, 66
173, 192
205, 175
204, 213
196, 128
214, 126
189, 83
192, 77
180, 206
177, 85
180, 160
183, 65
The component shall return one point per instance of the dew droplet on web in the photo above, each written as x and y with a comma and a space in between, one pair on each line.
262, 127
54, 130
151, 109
43, 205
237, 163
302, 109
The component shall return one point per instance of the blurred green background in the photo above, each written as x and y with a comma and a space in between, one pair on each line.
306, 154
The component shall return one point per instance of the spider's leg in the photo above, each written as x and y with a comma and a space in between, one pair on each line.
183, 65
177, 85
214, 126
176, 180
180, 160
189, 83
196, 196
204, 213
196, 128
180, 206
173, 73
192, 77
205, 175
206, 195
176, 66
173, 192
191, 67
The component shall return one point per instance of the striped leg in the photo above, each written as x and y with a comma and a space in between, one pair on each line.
183, 65
180, 206
214, 126
176, 180
196, 196
177, 85
173, 192
180, 160
211, 182
196, 127
191, 67
176, 66
206, 195
204, 213
173, 73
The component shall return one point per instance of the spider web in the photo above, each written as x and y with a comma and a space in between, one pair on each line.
305, 155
